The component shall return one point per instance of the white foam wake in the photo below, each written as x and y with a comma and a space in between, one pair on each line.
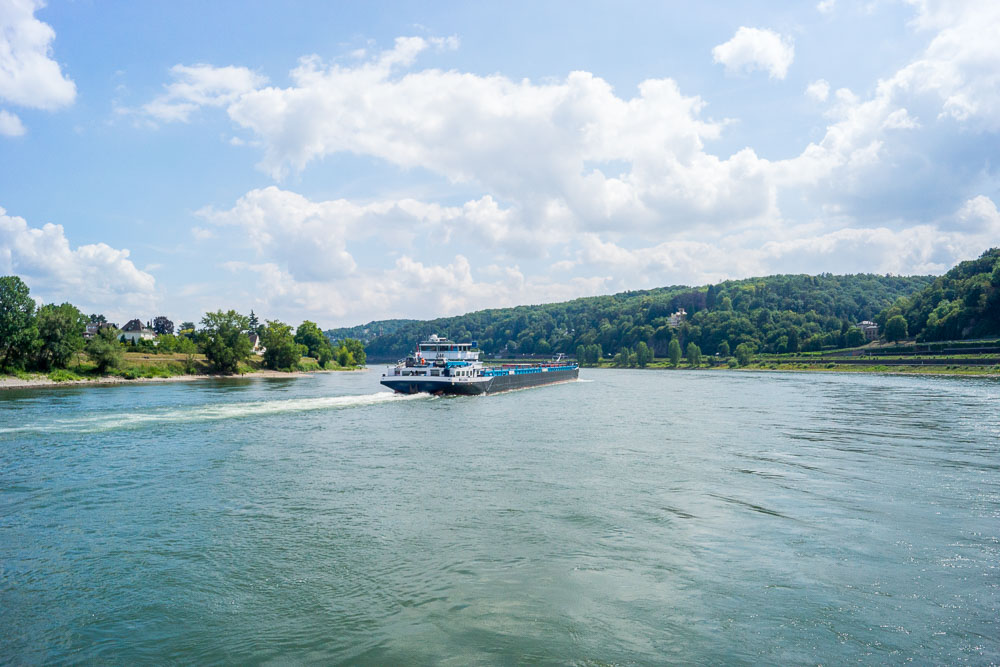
210, 412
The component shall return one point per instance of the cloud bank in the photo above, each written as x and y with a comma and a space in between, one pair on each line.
568, 184
90, 276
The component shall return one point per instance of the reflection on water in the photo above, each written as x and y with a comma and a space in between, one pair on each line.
643, 517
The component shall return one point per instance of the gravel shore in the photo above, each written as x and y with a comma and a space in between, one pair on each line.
12, 382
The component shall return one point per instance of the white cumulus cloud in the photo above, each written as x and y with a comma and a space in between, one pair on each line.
29, 77
546, 145
753, 48
961, 65
10, 125
919, 249
818, 90
409, 288
93, 275
198, 86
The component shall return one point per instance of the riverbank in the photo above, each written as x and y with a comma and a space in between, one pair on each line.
988, 371
880, 369
37, 381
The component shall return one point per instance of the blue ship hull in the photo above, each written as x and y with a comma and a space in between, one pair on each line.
492, 385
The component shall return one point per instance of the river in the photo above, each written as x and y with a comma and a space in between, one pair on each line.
633, 517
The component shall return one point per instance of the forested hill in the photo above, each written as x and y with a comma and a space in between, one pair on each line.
367, 332
776, 313
963, 303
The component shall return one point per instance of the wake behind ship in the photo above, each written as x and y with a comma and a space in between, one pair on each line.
441, 366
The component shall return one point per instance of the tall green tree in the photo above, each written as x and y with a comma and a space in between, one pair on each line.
710, 297
694, 355
282, 351
743, 353
18, 330
224, 340
162, 325
60, 334
317, 344
643, 354
355, 353
674, 352
854, 337
793, 340
895, 328
185, 346
723, 349
105, 350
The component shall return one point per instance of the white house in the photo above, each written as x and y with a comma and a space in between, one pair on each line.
255, 345
678, 318
135, 331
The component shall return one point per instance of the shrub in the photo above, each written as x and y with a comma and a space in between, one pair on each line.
307, 364
105, 350
130, 373
63, 375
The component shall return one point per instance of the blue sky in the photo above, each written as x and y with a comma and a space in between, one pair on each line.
342, 162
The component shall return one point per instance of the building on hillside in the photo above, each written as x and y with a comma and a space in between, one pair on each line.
94, 327
135, 331
869, 329
255, 345
678, 318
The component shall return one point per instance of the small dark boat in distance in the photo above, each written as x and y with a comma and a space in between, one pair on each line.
441, 366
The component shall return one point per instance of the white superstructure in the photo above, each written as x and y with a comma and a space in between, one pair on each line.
440, 365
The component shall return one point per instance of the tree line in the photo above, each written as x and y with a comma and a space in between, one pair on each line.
47, 338
773, 314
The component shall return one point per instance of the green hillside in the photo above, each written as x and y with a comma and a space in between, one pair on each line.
963, 303
370, 331
782, 313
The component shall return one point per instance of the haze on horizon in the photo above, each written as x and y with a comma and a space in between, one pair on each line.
349, 163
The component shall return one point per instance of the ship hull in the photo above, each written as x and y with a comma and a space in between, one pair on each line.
492, 385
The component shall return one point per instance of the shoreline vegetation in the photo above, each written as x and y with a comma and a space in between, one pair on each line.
146, 368
971, 366
40, 381
57, 344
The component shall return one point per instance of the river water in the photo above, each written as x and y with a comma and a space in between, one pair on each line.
633, 517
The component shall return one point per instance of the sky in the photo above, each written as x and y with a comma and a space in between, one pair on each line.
343, 162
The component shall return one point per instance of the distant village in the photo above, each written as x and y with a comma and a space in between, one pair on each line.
135, 332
